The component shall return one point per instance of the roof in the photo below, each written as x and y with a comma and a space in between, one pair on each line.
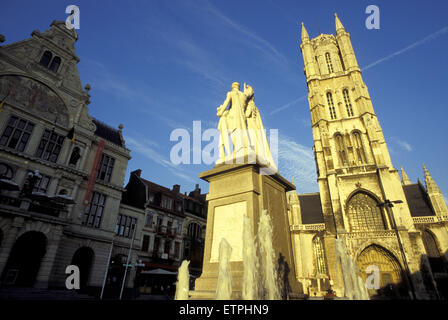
106, 132
417, 200
311, 208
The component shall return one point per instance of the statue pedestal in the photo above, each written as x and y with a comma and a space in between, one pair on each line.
236, 190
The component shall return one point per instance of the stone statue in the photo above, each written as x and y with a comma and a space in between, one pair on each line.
233, 122
240, 119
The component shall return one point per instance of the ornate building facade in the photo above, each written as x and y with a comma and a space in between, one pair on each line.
69, 215
393, 224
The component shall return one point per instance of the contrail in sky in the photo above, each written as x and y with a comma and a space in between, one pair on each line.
432, 36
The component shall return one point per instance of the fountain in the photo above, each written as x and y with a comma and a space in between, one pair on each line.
269, 272
355, 288
224, 284
251, 264
183, 282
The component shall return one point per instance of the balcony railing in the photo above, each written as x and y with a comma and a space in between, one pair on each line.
49, 208
430, 219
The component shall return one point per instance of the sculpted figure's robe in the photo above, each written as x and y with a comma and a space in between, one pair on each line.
232, 121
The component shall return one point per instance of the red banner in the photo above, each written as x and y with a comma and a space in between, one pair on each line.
93, 173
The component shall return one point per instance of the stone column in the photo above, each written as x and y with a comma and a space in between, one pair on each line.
46, 266
9, 240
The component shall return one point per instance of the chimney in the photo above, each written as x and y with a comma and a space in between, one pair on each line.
176, 188
137, 172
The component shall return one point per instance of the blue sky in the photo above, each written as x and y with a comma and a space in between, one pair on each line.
155, 66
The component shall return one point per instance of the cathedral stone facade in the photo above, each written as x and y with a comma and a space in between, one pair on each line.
393, 224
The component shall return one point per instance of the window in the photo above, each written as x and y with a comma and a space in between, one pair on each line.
151, 197
359, 150
340, 149
194, 231
125, 226
106, 167
46, 58
331, 106
342, 60
76, 154
167, 246
149, 219
178, 206
176, 250
17, 133
348, 104
42, 182
179, 227
167, 203
319, 256
54, 66
329, 64
94, 211
50, 146
145, 243
5, 171
364, 214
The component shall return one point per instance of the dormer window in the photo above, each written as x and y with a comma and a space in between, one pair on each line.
54, 66
50, 62
46, 58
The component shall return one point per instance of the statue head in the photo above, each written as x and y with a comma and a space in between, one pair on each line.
249, 91
236, 85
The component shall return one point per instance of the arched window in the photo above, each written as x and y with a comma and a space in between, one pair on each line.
74, 156
342, 60
340, 149
329, 64
435, 258
331, 106
54, 66
359, 149
319, 256
364, 214
46, 58
348, 104
5, 171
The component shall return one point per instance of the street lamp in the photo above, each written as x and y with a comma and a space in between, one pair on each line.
389, 204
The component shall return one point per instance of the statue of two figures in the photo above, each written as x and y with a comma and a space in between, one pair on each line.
240, 120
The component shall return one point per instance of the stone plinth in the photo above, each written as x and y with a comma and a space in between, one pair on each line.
236, 190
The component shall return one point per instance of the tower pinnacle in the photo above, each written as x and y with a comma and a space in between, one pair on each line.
304, 33
339, 26
431, 185
404, 178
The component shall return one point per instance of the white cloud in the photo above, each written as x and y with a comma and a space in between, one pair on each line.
297, 161
432, 36
145, 148
403, 144
287, 105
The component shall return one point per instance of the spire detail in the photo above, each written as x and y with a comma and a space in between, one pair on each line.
305, 35
404, 178
431, 185
339, 26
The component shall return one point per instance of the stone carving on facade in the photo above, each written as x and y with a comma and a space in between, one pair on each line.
35, 96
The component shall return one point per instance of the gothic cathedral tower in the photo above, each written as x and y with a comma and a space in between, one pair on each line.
355, 173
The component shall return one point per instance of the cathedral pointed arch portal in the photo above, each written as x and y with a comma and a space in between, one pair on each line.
391, 281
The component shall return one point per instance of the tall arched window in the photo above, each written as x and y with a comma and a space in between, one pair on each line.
364, 214
331, 106
54, 66
319, 256
432, 251
348, 104
46, 58
359, 149
329, 64
340, 149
